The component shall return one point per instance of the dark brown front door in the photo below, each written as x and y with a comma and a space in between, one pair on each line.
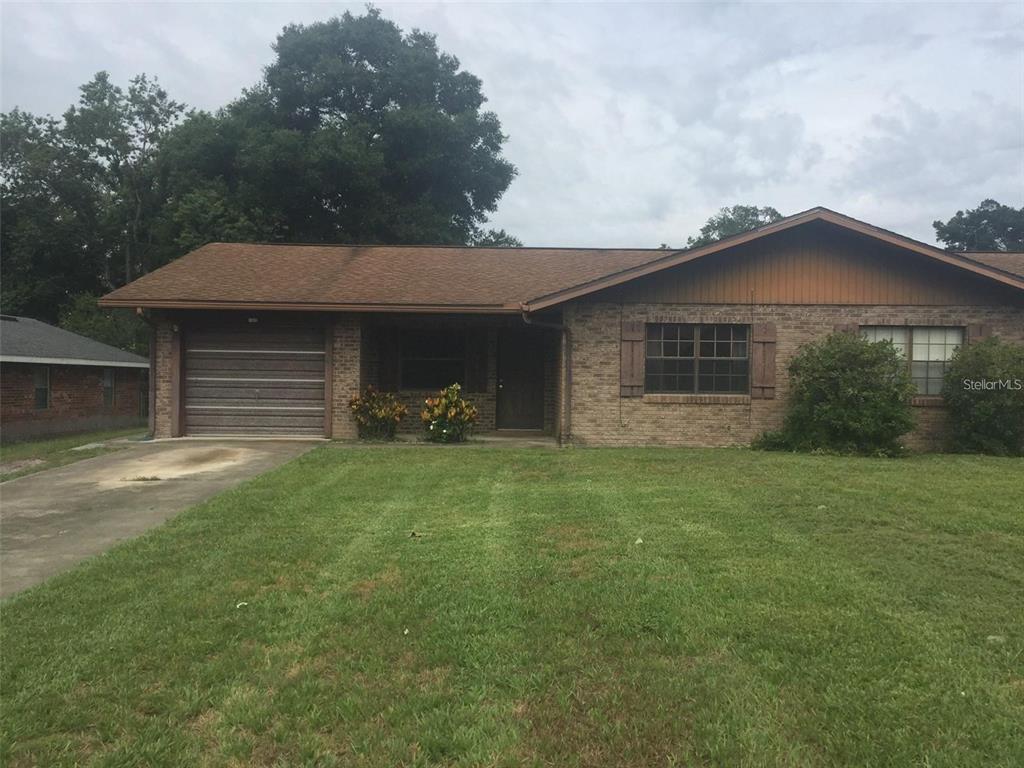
520, 379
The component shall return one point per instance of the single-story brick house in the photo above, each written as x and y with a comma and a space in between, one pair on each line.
53, 381
594, 346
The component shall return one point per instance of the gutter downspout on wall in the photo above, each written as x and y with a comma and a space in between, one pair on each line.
567, 347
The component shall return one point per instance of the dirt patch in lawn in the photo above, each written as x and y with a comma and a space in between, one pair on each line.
570, 538
388, 578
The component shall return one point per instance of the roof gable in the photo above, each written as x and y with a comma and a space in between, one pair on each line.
677, 258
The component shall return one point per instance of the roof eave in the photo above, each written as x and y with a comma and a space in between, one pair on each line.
78, 361
254, 306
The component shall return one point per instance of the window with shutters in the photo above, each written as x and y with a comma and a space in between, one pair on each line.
697, 359
930, 349
432, 359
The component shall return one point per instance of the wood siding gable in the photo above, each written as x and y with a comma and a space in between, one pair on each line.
814, 264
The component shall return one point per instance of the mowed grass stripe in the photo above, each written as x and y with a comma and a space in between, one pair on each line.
783, 610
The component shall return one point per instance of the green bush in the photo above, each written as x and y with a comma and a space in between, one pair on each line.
447, 417
983, 391
377, 414
847, 395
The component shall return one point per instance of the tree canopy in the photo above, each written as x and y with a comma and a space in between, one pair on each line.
733, 220
357, 132
991, 226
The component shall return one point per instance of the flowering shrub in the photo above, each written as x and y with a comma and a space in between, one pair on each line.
447, 417
377, 413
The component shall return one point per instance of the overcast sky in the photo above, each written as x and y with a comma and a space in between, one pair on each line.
631, 123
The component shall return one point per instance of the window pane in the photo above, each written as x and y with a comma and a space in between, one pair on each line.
432, 374
41, 384
432, 359
108, 387
671, 365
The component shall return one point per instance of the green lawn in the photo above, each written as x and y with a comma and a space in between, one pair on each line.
780, 610
51, 452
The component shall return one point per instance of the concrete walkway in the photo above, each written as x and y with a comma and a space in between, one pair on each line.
52, 520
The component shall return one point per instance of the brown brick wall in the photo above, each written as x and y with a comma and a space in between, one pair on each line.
76, 400
162, 410
346, 376
600, 417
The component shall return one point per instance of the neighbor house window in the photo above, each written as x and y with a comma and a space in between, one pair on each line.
698, 359
432, 359
108, 387
927, 350
41, 383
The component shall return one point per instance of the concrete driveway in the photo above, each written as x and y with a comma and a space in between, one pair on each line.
51, 520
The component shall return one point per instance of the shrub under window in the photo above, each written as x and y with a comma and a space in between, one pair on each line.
847, 395
984, 391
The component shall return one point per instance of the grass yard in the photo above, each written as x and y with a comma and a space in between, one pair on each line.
387, 606
17, 459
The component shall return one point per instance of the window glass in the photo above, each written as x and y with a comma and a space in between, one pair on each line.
108, 387
690, 358
931, 349
433, 359
41, 384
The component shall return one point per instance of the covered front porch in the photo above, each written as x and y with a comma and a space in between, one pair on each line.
508, 369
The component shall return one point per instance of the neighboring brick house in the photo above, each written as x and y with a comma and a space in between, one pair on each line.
53, 381
594, 346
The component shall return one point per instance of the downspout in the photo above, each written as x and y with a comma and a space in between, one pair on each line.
152, 395
567, 347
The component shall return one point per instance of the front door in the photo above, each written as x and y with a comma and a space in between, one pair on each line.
520, 379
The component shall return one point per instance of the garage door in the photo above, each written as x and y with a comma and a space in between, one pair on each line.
254, 381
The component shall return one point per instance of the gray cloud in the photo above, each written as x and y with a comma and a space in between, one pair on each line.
631, 124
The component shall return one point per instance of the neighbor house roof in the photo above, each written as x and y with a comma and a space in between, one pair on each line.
24, 340
445, 278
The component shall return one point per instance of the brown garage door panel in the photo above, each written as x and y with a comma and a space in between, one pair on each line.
254, 382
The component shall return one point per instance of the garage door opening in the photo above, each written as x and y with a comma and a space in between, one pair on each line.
255, 381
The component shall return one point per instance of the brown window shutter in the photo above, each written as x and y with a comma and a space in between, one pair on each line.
851, 328
978, 331
631, 371
762, 361
388, 360
476, 361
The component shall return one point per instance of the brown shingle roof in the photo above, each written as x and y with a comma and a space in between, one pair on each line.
333, 276
1004, 260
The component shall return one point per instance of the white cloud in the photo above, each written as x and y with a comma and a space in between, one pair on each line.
631, 124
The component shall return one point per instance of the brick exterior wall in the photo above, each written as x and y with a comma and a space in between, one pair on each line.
162, 408
76, 400
346, 374
601, 417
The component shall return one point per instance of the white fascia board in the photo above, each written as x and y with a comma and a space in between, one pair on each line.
69, 361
